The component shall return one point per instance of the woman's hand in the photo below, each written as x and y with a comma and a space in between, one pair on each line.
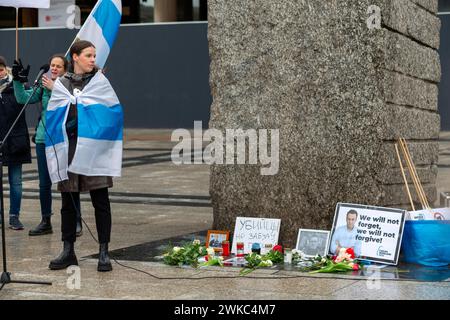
47, 83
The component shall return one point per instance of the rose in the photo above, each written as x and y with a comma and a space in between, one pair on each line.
267, 263
210, 251
278, 248
196, 242
347, 257
355, 266
351, 252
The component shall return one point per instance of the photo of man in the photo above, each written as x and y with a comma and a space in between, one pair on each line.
214, 242
345, 236
312, 242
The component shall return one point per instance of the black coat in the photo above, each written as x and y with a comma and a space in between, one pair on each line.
17, 147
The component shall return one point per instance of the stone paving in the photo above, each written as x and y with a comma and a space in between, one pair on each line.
155, 200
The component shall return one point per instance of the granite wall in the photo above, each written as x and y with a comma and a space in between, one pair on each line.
339, 92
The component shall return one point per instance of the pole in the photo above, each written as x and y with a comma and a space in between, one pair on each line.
5, 277
17, 33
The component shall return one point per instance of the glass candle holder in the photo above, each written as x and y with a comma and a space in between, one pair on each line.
287, 256
240, 249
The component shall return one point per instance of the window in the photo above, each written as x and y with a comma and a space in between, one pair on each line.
444, 6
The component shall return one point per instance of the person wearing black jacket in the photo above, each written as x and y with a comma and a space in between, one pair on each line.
16, 150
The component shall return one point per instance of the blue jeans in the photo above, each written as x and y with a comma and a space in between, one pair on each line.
45, 184
15, 188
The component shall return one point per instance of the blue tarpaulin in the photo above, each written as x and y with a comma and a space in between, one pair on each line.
427, 242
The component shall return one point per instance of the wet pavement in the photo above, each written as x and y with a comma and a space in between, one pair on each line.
156, 203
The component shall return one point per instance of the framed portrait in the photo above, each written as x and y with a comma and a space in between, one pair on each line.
374, 233
214, 239
313, 242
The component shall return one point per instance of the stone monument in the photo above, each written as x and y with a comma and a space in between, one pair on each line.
341, 80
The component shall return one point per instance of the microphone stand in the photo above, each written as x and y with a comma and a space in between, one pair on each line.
6, 276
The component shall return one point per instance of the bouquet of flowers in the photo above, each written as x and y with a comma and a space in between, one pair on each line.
211, 259
344, 261
297, 256
187, 254
255, 260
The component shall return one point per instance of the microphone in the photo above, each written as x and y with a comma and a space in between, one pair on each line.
43, 70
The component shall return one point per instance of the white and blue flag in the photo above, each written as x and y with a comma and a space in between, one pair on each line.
100, 131
101, 28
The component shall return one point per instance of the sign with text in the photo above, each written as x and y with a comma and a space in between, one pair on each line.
256, 230
429, 214
25, 3
375, 233
62, 13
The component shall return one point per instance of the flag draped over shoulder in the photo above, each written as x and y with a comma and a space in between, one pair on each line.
25, 3
101, 28
100, 131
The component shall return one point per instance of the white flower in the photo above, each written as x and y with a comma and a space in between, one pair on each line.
266, 263
176, 249
342, 251
323, 260
220, 258
210, 251
196, 242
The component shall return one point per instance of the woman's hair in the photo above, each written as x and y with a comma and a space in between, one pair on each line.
77, 48
3, 61
62, 57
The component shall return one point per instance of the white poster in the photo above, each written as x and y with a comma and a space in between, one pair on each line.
62, 13
429, 214
25, 3
374, 233
265, 232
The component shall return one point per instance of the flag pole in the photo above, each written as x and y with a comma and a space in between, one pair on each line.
17, 33
81, 28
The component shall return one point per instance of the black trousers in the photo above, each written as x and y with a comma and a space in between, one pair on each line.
100, 201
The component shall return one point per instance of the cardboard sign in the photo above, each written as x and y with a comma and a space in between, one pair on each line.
429, 214
256, 230
62, 13
375, 233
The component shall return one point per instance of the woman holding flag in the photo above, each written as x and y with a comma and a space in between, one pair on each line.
89, 153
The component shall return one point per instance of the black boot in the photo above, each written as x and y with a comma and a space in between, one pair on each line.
66, 258
104, 264
45, 227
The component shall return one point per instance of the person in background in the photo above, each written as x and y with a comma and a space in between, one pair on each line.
17, 150
58, 67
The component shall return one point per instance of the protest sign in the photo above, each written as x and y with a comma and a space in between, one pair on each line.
375, 233
256, 230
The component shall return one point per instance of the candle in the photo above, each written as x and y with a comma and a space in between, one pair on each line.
287, 256
240, 249
225, 248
